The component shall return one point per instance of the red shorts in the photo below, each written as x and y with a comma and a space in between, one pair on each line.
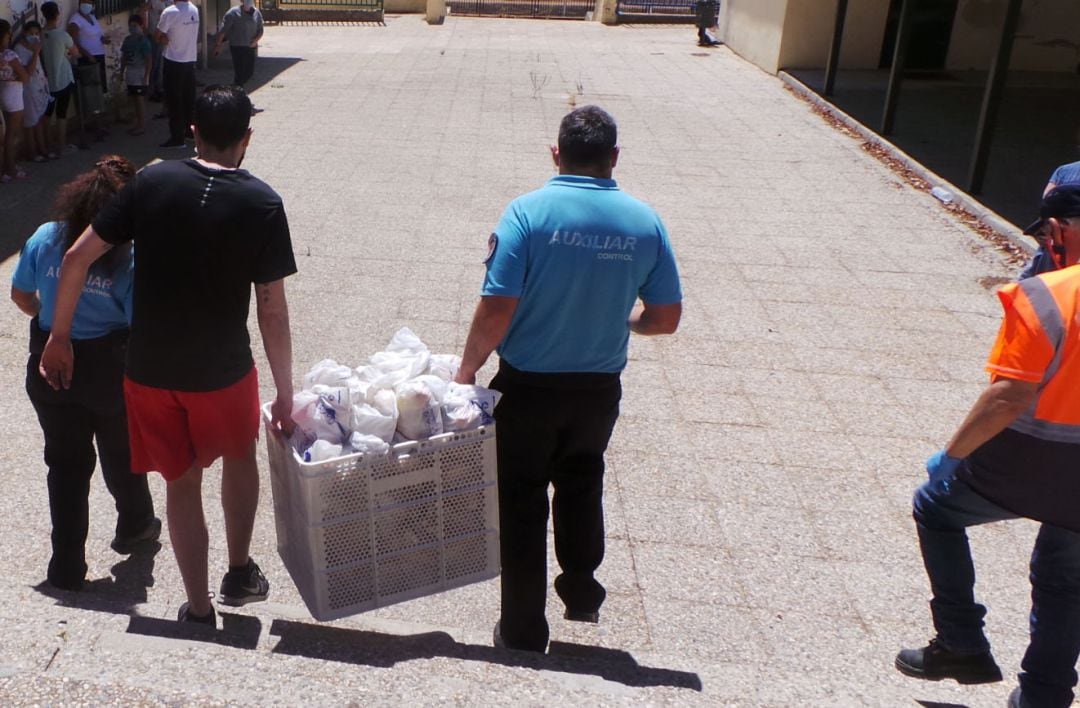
170, 431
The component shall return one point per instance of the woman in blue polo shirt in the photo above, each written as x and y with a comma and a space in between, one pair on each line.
93, 407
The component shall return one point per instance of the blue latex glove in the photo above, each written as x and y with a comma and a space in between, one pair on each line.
941, 466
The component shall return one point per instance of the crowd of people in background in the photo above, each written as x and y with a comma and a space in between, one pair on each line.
41, 67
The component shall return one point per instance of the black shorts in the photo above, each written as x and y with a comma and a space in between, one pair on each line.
60, 101
137, 90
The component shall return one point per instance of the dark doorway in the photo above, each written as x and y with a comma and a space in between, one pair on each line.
931, 30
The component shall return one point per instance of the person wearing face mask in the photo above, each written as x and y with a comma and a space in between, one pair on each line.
242, 28
36, 96
1015, 455
90, 39
205, 231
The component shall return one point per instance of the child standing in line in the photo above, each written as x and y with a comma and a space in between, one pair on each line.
135, 63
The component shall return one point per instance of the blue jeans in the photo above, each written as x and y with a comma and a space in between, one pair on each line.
943, 510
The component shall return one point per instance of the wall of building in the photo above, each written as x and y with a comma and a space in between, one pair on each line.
808, 32
1047, 39
753, 29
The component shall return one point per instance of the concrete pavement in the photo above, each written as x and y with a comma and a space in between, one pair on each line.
760, 547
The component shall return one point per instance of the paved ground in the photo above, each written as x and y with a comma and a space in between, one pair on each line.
760, 547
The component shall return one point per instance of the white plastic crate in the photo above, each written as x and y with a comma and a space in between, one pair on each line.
366, 531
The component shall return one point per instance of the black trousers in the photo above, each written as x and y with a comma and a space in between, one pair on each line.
179, 80
551, 429
71, 420
243, 62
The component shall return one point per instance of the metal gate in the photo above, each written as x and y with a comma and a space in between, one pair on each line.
322, 10
540, 9
657, 10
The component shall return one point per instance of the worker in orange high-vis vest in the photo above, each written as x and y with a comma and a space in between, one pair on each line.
1017, 454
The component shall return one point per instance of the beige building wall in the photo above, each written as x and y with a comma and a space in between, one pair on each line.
808, 32
1048, 38
753, 29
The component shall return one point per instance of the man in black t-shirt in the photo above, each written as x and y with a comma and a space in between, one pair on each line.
204, 230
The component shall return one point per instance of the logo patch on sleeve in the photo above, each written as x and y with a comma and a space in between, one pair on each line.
493, 243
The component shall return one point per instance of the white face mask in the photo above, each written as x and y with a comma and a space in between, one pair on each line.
32, 39
86, 8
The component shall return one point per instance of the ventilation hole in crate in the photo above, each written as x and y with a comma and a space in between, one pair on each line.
469, 556
410, 571
407, 494
462, 466
465, 513
342, 494
347, 542
399, 529
391, 466
352, 586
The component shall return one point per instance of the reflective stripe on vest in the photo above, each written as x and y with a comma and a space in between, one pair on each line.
1053, 326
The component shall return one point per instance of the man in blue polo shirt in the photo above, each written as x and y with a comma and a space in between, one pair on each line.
566, 267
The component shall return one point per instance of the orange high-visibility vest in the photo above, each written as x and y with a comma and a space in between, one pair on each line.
1039, 342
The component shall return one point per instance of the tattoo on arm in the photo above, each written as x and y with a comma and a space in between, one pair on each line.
262, 292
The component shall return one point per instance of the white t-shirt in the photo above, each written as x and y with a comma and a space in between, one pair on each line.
180, 22
89, 34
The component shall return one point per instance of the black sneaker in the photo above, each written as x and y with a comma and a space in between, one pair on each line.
172, 144
186, 615
934, 663
242, 586
581, 616
126, 545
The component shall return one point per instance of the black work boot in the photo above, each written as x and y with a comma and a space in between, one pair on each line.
934, 663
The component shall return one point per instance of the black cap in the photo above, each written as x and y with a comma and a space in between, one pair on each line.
1060, 203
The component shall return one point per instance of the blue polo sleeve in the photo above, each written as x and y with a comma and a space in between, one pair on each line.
25, 277
508, 260
661, 286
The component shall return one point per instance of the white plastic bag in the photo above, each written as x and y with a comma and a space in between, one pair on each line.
367, 420
321, 450
339, 398
445, 366
368, 444
328, 373
395, 368
383, 400
317, 418
436, 385
466, 407
405, 341
419, 414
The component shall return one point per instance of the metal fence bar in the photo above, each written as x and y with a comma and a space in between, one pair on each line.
674, 10
104, 8
554, 9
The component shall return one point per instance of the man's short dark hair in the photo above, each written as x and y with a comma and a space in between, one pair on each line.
222, 115
587, 136
50, 11
135, 19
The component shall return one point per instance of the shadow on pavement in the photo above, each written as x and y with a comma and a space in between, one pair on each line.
935, 704
352, 646
26, 205
237, 631
119, 593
